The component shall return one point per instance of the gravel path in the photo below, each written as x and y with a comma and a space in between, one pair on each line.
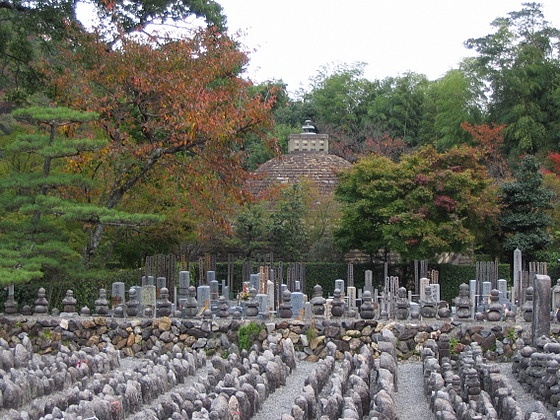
281, 401
411, 404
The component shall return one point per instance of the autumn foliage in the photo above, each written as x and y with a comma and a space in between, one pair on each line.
489, 139
179, 106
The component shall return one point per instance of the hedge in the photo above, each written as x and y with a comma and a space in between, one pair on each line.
86, 289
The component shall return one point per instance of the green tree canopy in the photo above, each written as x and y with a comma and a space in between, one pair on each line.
425, 204
450, 101
397, 106
519, 61
288, 233
525, 223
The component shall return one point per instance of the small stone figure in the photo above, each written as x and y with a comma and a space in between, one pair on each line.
26, 310
429, 309
444, 311
69, 302
10, 306
252, 306
149, 312
414, 310
403, 306
223, 308
102, 304
471, 385
550, 379
367, 309
285, 310
118, 312
511, 313
480, 316
191, 305
495, 310
207, 314
444, 347
337, 304
384, 304
318, 301
463, 302
237, 312
527, 308
85, 311
163, 304
41, 304
132, 303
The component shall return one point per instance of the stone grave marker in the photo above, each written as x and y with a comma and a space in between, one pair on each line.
541, 306
161, 282
328, 306
184, 282
307, 312
132, 303
149, 299
262, 299
225, 291
118, 296
183, 306
270, 293
10, 306
298, 301
69, 304
214, 295
368, 285
138, 294
147, 280
254, 281
390, 295
424, 282
502, 289
486, 289
473, 287
517, 292
436, 293
203, 297
351, 294
101, 303
339, 284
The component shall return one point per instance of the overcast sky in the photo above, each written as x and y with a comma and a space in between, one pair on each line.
292, 39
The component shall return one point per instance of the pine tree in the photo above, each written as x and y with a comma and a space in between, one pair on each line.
41, 200
525, 224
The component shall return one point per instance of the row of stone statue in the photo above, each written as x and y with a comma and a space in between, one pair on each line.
400, 308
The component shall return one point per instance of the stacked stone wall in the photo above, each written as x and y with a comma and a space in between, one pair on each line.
138, 335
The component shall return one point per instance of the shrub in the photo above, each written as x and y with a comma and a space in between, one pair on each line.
247, 334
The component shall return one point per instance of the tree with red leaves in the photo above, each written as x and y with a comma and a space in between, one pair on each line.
175, 109
489, 139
